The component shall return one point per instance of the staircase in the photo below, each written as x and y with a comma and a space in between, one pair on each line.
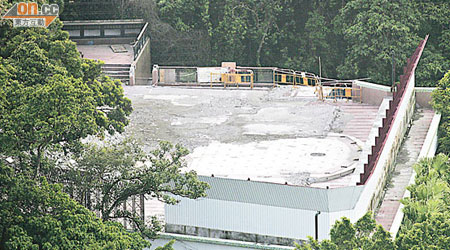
362, 117
407, 156
117, 71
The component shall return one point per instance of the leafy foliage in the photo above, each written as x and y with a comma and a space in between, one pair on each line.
52, 97
50, 100
441, 103
427, 212
37, 215
344, 235
104, 177
432, 233
374, 30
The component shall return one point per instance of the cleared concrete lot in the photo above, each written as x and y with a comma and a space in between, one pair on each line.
276, 135
196, 117
273, 135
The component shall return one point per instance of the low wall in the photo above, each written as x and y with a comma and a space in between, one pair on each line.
423, 97
103, 41
429, 148
141, 67
372, 93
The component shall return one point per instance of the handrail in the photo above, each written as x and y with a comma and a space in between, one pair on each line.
140, 41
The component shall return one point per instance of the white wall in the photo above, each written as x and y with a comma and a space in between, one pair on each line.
247, 218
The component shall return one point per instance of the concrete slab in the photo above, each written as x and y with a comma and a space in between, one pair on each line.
106, 54
299, 161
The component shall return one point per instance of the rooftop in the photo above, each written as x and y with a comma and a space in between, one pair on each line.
271, 135
106, 54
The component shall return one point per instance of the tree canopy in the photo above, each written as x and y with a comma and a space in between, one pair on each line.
426, 224
51, 97
104, 177
51, 102
38, 215
441, 103
344, 235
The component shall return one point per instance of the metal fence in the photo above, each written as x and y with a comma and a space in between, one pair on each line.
398, 95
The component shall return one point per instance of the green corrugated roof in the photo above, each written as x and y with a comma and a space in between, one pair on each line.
278, 195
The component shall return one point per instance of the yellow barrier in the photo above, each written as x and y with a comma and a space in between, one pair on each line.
231, 78
292, 79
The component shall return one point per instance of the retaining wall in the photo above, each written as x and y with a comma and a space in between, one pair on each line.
141, 67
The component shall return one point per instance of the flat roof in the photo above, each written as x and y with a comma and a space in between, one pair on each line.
271, 135
106, 54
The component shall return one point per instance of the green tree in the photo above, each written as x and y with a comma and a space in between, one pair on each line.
37, 215
344, 235
436, 57
375, 30
185, 15
426, 224
432, 233
441, 103
242, 30
117, 172
51, 97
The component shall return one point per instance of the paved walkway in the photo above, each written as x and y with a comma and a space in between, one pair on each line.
409, 152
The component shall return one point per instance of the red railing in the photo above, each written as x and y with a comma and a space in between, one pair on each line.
391, 113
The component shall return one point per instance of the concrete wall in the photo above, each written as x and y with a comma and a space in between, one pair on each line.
423, 97
372, 93
142, 66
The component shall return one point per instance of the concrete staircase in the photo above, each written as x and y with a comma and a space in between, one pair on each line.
362, 117
117, 71
407, 156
